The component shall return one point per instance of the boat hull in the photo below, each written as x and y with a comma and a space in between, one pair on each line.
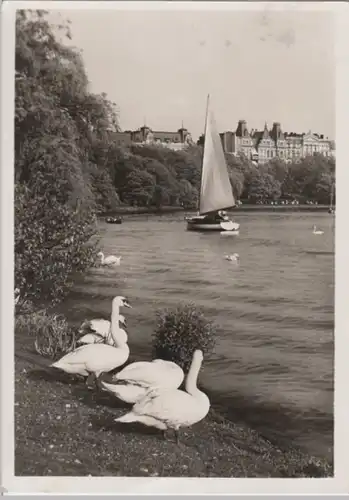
113, 220
200, 224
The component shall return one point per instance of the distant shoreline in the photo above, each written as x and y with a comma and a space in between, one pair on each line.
126, 210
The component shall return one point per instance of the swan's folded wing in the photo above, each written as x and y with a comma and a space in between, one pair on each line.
141, 372
101, 326
79, 355
165, 405
152, 374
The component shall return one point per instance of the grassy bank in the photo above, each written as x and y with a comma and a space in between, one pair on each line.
64, 429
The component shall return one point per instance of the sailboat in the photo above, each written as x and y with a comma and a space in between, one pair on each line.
216, 194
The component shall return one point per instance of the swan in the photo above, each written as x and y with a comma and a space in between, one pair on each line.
317, 231
233, 258
17, 295
111, 260
100, 327
134, 381
92, 360
172, 409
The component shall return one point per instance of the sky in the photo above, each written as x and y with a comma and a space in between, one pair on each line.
258, 66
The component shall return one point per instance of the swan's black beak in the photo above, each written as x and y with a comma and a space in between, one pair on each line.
127, 304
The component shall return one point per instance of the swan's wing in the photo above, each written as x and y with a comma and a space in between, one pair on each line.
82, 353
102, 327
90, 338
169, 406
140, 372
152, 374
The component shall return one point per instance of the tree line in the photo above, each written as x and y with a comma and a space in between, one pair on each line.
68, 167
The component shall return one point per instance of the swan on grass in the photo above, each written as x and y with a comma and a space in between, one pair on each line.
233, 257
100, 330
111, 260
317, 231
134, 381
91, 360
172, 409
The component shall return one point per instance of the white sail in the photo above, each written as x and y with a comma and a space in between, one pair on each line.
216, 192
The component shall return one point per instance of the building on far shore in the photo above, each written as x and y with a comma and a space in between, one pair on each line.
261, 146
146, 136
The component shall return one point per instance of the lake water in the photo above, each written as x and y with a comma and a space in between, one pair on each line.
274, 312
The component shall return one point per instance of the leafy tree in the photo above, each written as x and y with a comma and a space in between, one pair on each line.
55, 194
52, 242
188, 194
140, 188
237, 183
263, 186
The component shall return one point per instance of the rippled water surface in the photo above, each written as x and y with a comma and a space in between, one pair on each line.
273, 365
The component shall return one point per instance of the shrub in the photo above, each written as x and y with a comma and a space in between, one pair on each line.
179, 332
53, 337
52, 243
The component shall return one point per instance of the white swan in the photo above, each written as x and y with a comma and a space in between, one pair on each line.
233, 258
111, 260
172, 409
93, 359
134, 381
317, 231
100, 328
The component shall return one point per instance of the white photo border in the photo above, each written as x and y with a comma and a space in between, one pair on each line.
173, 486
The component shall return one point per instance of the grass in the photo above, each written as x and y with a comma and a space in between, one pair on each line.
64, 429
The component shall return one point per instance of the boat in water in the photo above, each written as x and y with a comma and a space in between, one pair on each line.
216, 194
113, 220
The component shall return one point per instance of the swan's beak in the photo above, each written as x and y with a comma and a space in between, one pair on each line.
127, 304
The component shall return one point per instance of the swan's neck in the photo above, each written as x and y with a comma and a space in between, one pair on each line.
192, 377
115, 328
102, 257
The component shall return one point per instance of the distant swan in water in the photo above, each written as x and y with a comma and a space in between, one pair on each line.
317, 231
233, 258
111, 260
172, 408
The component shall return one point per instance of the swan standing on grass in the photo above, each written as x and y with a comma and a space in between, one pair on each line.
111, 260
317, 231
235, 257
100, 330
92, 360
134, 381
172, 409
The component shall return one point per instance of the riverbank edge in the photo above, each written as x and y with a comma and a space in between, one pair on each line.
227, 449
126, 210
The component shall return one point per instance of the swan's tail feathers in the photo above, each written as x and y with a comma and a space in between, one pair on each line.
56, 365
129, 417
143, 419
59, 364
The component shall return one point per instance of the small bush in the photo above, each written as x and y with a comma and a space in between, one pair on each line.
53, 337
52, 243
179, 332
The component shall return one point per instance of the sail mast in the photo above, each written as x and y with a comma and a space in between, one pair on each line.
203, 150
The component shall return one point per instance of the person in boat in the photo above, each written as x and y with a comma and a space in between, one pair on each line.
216, 217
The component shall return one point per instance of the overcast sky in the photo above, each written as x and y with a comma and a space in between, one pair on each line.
159, 67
